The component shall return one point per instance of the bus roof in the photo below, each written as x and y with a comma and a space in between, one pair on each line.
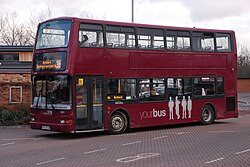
139, 25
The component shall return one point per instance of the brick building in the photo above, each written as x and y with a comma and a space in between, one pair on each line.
15, 83
244, 79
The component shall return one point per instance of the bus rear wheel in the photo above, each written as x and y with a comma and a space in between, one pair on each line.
118, 123
207, 115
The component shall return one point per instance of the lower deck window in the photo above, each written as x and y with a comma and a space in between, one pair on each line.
152, 89
208, 86
121, 89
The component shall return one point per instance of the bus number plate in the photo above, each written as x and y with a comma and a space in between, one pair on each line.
45, 127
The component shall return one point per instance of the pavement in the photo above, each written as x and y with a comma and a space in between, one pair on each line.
244, 102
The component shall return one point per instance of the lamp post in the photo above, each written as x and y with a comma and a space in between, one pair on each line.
132, 11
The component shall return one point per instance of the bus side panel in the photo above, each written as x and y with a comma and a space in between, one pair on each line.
160, 113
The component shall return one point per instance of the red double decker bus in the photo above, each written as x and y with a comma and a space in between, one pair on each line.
101, 75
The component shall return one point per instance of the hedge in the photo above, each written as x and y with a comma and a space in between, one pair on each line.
14, 118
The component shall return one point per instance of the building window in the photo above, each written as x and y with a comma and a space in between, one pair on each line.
16, 94
9, 57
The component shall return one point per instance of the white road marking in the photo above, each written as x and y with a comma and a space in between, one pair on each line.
15, 139
122, 135
18, 139
208, 162
136, 157
160, 137
94, 151
53, 160
181, 133
178, 133
36, 139
126, 144
241, 152
6, 144
229, 131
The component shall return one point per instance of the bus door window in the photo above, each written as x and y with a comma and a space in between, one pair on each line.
97, 101
81, 99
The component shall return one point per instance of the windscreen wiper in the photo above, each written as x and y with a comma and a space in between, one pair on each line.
39, 96
51, 101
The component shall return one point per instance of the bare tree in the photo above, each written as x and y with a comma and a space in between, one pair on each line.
13, 33
243, 55
37, 18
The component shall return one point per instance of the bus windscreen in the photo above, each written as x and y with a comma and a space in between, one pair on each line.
51, 92
53, 34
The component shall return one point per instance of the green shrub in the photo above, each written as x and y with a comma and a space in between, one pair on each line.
13, 118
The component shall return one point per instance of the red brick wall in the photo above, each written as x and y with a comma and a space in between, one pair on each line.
15, 79
243, 85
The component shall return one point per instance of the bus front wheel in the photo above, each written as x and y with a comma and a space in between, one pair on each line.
118, 123
207, 115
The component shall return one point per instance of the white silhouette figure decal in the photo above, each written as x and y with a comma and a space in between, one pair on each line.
184, 108
177, 107
189, 107
171, 108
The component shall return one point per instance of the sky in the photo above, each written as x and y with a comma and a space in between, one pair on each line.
214, 14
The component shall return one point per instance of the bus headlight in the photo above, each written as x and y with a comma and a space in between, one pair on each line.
66, 121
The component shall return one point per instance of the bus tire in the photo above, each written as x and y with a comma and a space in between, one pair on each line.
118, 123
207, 115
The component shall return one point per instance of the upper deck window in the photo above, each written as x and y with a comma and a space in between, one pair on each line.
150, 38
120, 37
203, 41
223, 42
53, 34
178, 40
90, 35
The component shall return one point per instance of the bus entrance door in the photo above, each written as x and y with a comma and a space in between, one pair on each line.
89, 103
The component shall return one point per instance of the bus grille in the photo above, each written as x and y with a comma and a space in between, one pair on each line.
230, 103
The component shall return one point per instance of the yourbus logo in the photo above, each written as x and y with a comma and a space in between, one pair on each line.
176, 109
153, 114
